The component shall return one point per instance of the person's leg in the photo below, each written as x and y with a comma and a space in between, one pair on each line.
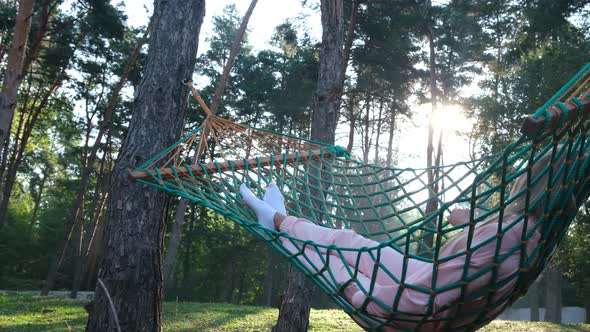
332, 269
389, 258
378, 300
264, 212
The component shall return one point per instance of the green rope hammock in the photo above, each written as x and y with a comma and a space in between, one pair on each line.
325, 185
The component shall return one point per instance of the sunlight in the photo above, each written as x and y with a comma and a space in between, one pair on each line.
453, 123
451, 120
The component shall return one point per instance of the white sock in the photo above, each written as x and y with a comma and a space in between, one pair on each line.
275, 199
263, 210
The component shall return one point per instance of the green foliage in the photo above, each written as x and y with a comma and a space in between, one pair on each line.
102, 19
526, 68
59, 108
8, 13
276, 84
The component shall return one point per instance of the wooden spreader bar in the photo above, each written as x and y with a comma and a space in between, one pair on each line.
238, 164
533, 127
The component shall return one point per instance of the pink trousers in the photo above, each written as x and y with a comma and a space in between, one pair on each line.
342, 271
338, 265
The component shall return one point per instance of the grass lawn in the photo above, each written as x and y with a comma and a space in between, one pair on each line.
27, 313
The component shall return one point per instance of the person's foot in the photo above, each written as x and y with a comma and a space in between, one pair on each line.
275, 199
264, 212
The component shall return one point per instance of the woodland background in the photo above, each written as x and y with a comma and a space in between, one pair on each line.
83, 63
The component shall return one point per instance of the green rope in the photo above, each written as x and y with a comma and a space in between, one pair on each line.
386, 204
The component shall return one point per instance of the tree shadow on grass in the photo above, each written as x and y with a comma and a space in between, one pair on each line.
217, 317
567, 328
16, 305
522, 326
77, 325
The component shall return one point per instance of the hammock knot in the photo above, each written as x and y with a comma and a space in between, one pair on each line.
565, 111
525, 270
578, 103
338, 151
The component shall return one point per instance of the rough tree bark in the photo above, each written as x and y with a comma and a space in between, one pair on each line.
330, 81
294, 309
348, 41
13, 75
131, 268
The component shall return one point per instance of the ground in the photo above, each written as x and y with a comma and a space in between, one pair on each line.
27, 313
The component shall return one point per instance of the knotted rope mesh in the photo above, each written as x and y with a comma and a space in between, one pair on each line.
546, 169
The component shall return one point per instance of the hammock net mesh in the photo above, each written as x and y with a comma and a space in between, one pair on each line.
399, 209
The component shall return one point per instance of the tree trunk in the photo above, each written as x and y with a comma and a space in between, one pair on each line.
367, 123
295, 306
269, 278
235, 48
174, 239
131, 268
39, 194
18, 149
353, 118
14, 69
553, 296
12, 82
92, 242
379, 122
348, 41
432, 203
390, 141
78, 261
324, 121
534, 300
87, 242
